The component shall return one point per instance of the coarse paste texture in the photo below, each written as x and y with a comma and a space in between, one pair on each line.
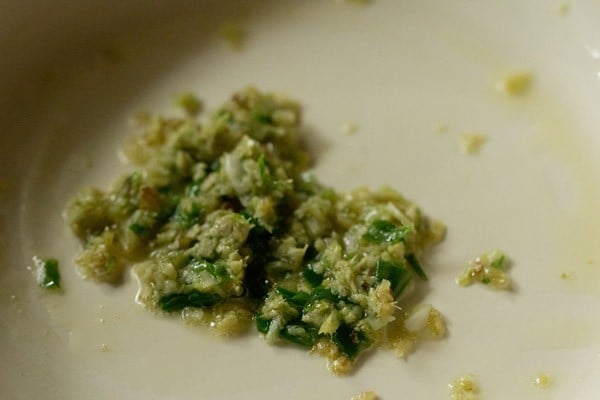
225, 226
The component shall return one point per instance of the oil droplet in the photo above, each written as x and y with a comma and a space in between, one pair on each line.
543, 381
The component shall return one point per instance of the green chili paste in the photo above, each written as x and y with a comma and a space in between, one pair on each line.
225, 226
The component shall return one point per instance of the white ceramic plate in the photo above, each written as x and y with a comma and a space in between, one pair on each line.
72, 73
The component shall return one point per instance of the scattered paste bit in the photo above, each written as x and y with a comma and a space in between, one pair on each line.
441, 128
226, 228
140, 119
564, 8
234, 35
515, 84
565, 276
543, 381
464, 388
423, 322
490, 268
189, 103
471, 143
48, 275
365, 396
349, 128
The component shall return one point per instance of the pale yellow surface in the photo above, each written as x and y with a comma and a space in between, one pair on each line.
398, 68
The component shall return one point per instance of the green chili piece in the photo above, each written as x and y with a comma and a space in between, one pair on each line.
187, 218
349, 341
300, 333
49, 275
311, 276
323, 293
416, 266
381, 231
396, 274
498, 262
263, 324
138, 229
218, 270
178, 301
298, 299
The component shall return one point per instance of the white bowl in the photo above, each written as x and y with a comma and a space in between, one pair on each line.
73, 73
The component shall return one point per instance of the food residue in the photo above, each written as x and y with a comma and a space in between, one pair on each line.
564, 8
226, 226
234, 35
471, 143
189, 103
48, 275
515, 84
543, 381
349, 128
441, 128
464, 388
423, 322
490, 268
565, 276
365, 396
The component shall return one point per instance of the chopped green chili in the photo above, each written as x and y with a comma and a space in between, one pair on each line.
179, 301
224, 224
416, 266
381, 231
350, 342
48, 273
300, 333
396, 274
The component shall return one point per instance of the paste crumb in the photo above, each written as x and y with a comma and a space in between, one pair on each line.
564, 8
464, 388
189, 103
234, 35
225, 227
349, 128
515, 84
365, 396
472, 143
490, 268
543, 381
